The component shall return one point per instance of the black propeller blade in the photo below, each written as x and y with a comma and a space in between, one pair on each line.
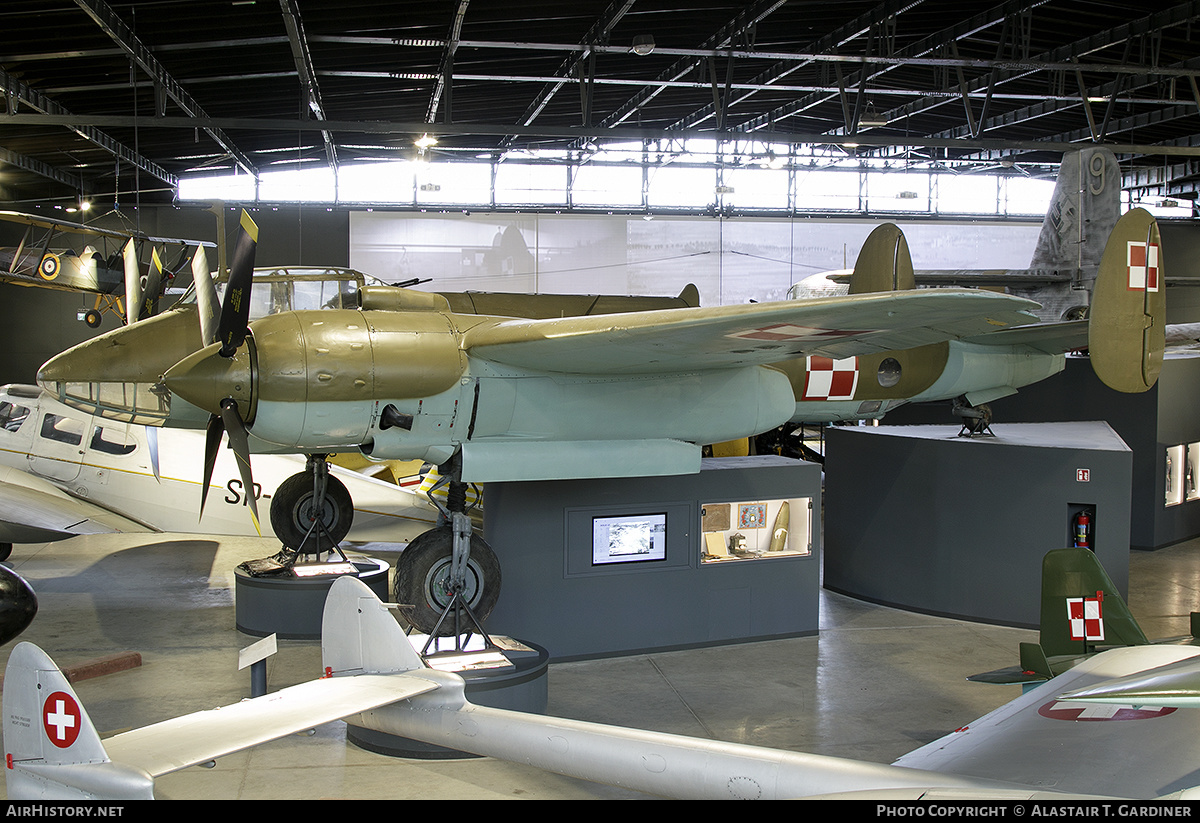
235, 308
231, 331
212, 443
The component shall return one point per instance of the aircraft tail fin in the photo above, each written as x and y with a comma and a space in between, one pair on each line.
359, 635
1081, 608
52, 750
884, 263
1083, 210
1126, 322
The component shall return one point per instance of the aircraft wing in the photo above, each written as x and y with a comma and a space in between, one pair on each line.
756, 334
34, 510
94, 231
198, 738
1124, 751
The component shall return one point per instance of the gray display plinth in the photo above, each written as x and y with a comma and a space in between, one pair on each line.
579, 596
292, 607
922, 519
1151, 423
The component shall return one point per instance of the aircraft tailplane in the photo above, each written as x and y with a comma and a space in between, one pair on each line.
884, 263
1126, 323
52, 750
1075, 584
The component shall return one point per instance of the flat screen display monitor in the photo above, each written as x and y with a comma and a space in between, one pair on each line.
629, 538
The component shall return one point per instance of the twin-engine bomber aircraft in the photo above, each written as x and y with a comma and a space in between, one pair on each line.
493, 398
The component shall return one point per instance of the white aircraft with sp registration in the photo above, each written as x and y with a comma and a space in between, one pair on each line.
66, 473
1034, 748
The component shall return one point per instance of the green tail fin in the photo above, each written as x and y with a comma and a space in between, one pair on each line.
883, 263
1126, 321
1069, 577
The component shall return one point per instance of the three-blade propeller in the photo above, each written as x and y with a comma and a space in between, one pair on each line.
231, 321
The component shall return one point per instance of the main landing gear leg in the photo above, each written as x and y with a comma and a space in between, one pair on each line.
311, 512
448, 579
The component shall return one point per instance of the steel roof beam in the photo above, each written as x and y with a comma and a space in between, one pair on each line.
114, 27
17, 91
302, 57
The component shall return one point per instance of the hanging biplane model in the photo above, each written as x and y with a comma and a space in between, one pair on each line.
409, 375
109, 265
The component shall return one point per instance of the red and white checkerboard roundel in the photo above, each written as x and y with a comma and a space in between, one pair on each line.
1142, 259
1084, 614
61, 719
829, 379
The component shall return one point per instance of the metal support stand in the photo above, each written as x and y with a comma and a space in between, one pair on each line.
455, 513
283, 561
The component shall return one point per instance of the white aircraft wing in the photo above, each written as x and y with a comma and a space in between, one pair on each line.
198, 738
757, 334
1068, 746
33, 510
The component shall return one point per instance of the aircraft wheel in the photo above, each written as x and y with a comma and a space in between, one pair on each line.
292, 513
92, 318
423, 570
978, 425
5, 550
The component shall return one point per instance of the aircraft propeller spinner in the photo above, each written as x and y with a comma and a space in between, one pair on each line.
231, 330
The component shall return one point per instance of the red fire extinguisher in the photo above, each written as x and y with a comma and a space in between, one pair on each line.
1083, 530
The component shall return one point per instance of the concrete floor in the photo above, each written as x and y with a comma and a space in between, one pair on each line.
875, 684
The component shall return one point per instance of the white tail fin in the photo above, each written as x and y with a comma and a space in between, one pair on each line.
360, 636
52, 750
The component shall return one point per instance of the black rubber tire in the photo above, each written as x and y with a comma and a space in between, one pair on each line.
423, 567
92, 318
292, 516
5, 551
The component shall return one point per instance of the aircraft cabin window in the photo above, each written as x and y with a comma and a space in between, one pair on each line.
112, 441
12, 416
62, 429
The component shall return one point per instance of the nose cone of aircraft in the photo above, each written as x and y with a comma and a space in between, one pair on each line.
205, 378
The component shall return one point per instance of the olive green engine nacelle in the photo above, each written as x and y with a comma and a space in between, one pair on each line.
399, 386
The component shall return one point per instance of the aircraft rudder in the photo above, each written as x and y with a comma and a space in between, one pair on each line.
884, 263
1127, 319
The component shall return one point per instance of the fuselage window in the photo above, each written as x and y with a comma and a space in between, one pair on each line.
112, 441
12, 416
62, 429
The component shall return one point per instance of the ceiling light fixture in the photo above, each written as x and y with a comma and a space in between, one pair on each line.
425, 141
643, 44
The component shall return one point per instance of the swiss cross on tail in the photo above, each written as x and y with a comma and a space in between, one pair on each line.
1085, 618
828, 379
1142, 259
61, 719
